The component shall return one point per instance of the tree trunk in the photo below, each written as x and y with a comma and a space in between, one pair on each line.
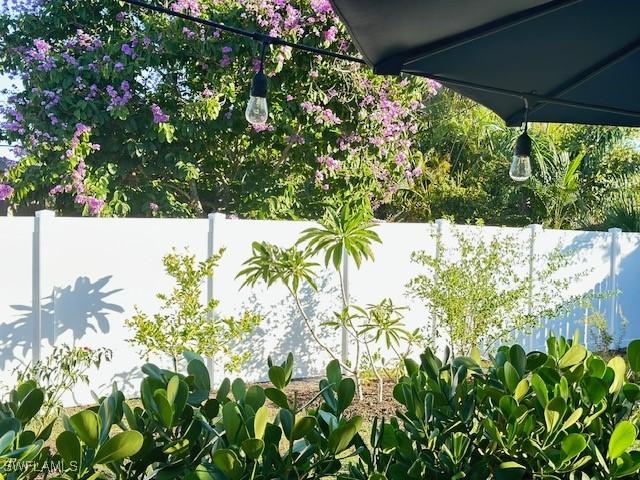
194, 198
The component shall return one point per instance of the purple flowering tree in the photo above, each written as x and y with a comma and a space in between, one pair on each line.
124, 112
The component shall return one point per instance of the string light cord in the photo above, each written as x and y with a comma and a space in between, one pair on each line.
526, 114
257, 36
263, 53
530, 98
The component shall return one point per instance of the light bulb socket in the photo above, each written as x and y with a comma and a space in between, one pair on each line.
259, 85
523, 145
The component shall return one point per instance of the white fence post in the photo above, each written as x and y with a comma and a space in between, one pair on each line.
41, 221
216, 221
614, 252
344, 341
442, 226
534, 230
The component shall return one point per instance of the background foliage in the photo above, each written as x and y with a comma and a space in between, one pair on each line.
128, 113
144, 114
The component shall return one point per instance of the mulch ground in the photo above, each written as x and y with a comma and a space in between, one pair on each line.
367, 408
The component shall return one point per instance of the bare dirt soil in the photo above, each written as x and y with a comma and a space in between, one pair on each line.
368, 408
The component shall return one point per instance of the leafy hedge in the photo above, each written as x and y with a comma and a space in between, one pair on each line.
564, 414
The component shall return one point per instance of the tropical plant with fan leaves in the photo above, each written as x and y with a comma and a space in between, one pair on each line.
270, 263
382, 325
342, 234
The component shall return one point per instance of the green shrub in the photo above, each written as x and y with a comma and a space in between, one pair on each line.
291, 443
177, 421
185, 322
179, 432
479, 292
87, 448
57, 374
20, 445
566, 414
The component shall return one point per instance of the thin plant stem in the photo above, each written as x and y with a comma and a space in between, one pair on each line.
307, 322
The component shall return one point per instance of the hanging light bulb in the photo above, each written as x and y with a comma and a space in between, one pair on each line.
257, 112
520, 170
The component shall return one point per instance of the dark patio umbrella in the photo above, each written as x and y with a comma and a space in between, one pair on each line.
572, 61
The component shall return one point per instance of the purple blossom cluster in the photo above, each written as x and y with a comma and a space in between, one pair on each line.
321, 7
76, 183
190, 34
93, 93
84, 42
346, 141
276, 17
225, 61
263, 127
7, 164
331, 35
129, 49
322, 115
158, 115
6, 191
186, 6
70, 59
282, 17
49, 98
20, 7
95, 204
331, 163
434, 87
40, 55
327, 166
386, 136
15, 121
118, 99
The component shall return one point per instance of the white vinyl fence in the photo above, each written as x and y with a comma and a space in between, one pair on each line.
76, 281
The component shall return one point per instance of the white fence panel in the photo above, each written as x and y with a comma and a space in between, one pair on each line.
96, 272
16, 290
388, 275
590, 267
627, 306
76, 281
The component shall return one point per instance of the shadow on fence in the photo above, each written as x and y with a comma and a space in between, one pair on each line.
292, 334
621, 327
75, 309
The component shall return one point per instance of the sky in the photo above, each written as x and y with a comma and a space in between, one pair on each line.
4, 83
